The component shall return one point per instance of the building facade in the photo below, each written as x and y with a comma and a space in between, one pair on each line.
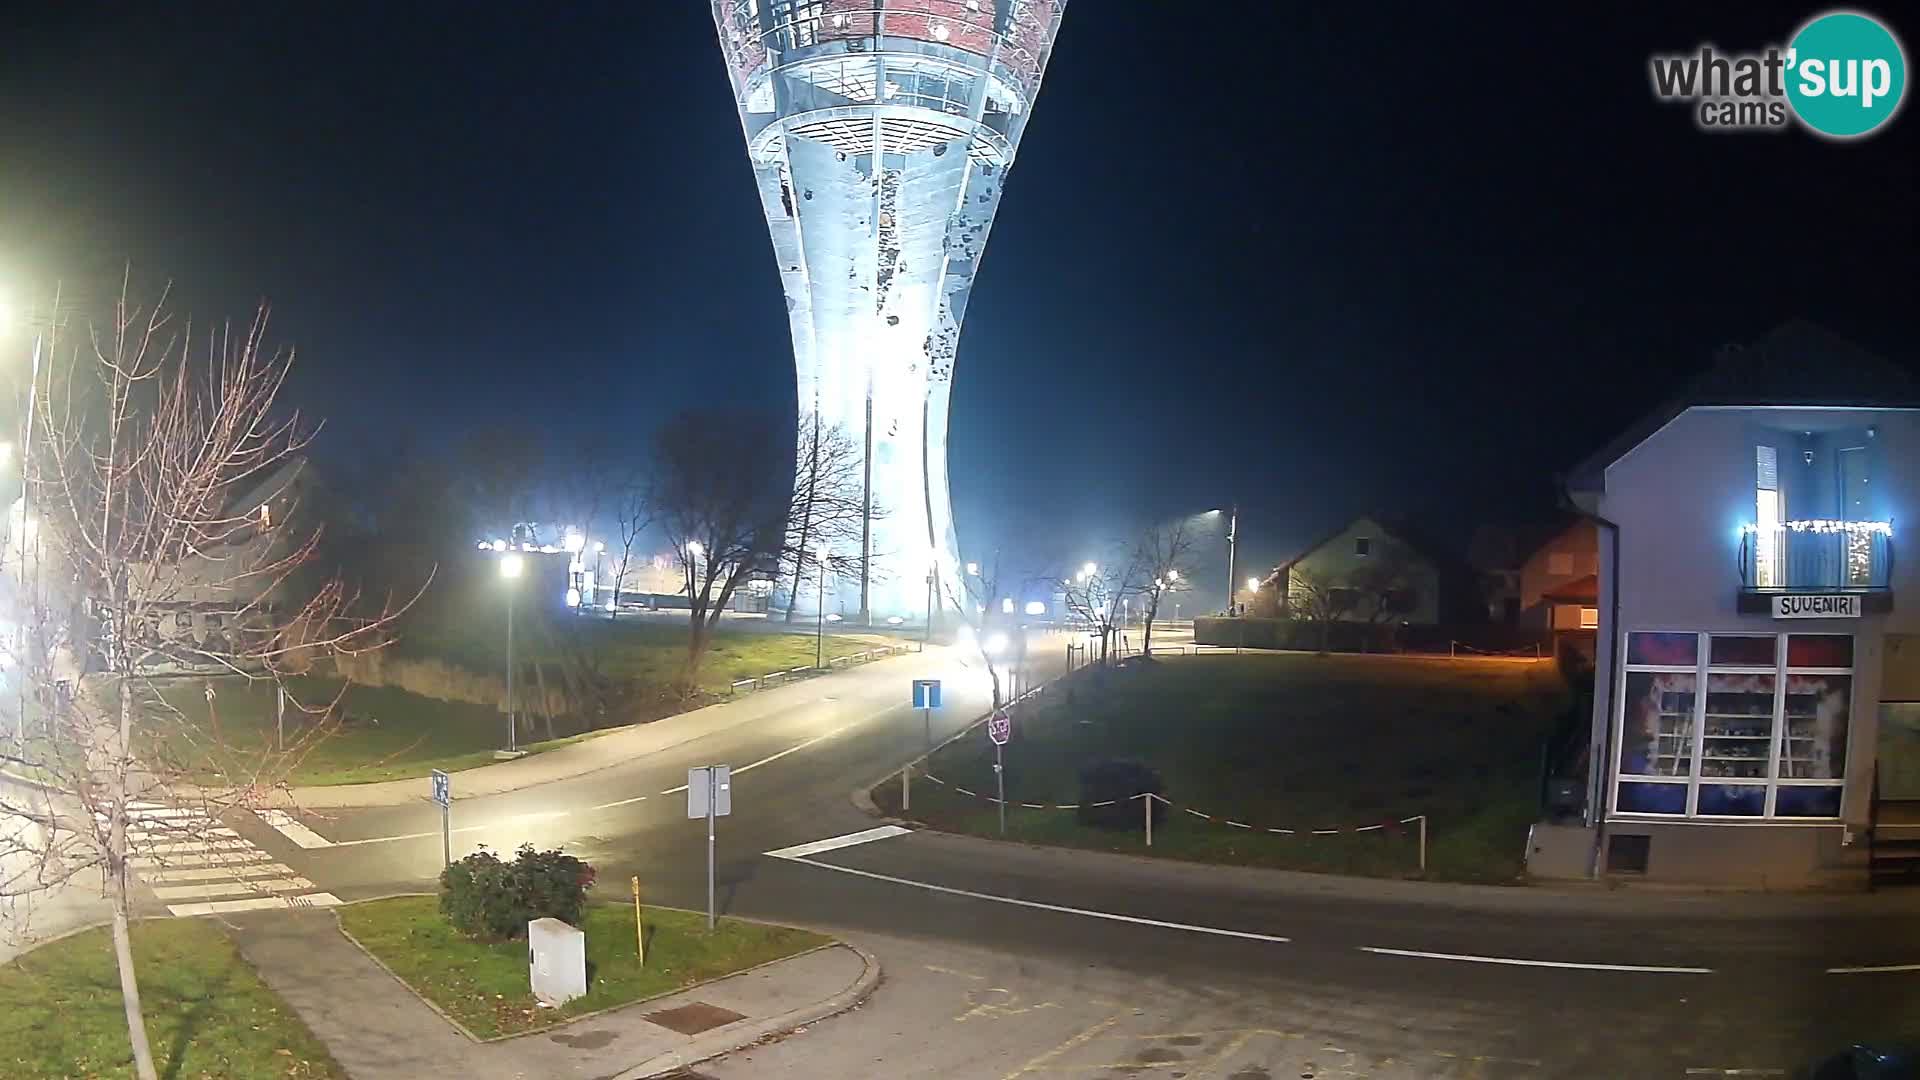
880, 134
1374, 574
1758, 648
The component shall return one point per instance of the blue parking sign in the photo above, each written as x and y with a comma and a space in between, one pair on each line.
926, 693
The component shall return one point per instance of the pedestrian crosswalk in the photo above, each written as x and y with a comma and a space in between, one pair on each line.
197, 866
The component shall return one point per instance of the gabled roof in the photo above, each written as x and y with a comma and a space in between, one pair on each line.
1798, 363
1436, 553
1584, 590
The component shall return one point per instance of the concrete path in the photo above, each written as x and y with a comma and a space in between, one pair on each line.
379, 1029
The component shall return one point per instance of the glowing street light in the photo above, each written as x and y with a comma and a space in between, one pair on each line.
510, 568
1253, 584
1090, 570
574, 542
694, 549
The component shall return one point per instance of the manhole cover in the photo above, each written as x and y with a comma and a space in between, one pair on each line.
695, 1018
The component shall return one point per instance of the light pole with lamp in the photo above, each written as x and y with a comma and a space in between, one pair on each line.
820, 611
510, 567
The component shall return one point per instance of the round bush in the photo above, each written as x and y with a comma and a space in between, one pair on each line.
484, 897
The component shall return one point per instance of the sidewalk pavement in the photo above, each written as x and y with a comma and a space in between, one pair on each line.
377, 1028
617, 747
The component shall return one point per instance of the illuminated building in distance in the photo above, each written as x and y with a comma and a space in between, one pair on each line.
880, 134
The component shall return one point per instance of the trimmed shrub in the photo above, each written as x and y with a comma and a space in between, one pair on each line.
487, 898
1117, 781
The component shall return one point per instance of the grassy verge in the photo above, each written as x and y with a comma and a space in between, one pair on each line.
484, 985
648, 649
378, 733
208, 1014
385, 733
1289, 741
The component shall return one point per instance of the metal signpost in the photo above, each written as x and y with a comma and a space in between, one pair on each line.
443, 794
709, 795
1000, 729
280, 718
926, 698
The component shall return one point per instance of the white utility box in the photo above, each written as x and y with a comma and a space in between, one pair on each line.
556, 961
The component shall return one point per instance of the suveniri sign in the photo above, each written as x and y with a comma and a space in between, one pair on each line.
1816, 606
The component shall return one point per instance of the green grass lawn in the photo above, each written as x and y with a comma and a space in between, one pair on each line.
415, 733
648, 649
412, 733
484, 986
208, 1014
1284, 741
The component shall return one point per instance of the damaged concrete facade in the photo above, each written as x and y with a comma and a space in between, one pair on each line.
880, 133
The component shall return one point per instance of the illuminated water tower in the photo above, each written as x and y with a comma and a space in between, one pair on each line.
881, 132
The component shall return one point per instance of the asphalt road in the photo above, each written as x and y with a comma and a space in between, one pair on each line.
1587, 983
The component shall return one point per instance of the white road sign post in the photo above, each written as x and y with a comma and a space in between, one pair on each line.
709, 795
443, 794
280, 718
1000, 729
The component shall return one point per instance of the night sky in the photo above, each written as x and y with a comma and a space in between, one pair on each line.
1318, 259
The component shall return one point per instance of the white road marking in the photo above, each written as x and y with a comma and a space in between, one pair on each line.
265, 868
1037, 905
146, 836
769, 759
255, 903
229, 857
208, 890
1872, 970
1514, 962
383, 839
1736, 1072
290, 827
622, 802
834, 843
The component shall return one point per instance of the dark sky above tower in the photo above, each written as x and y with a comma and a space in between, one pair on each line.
1314, 258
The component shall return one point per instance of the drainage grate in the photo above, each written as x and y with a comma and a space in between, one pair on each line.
694, 1018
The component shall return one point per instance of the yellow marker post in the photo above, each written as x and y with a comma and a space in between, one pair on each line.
639, 928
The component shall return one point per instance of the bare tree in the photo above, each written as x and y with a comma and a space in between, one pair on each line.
1318, 600
1164, 557
163, 480
720, 494
1097, 592
632, 513
978, 596
1383, 589
827, 499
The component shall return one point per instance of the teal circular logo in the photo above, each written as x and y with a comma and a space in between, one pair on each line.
1846, 74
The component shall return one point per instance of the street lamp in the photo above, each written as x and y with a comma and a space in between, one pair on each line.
510, 567
820, 612
1233, 535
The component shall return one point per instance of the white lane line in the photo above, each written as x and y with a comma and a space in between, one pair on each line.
290, 827
148, 836
769, 759
383, 839
674, 790
1736, 1072
1514, 962
1872, 970
835, 843
1037, 905
256, 903
622, 802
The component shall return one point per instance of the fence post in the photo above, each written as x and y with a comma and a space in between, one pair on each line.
1423, 843
906, 786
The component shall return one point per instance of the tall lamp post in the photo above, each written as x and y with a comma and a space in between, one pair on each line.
1233, 536
820, 611
510, 567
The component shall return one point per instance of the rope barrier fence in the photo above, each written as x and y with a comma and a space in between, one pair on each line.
1390, 825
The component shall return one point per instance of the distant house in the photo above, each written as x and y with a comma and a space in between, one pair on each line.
1756, 712
1559, 587
1382, 573
209, 599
